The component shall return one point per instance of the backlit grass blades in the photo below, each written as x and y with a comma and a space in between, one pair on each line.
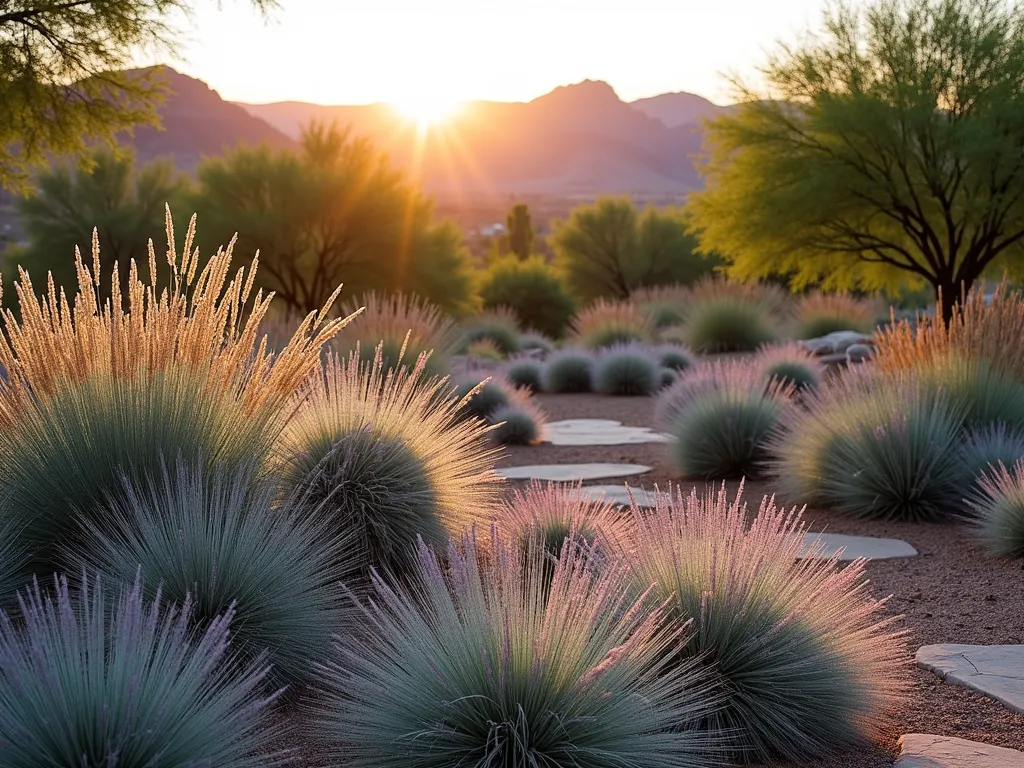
999, 509
790, 364
221, 541
84, 682
808, 660
389, 451
495, 663
608, 323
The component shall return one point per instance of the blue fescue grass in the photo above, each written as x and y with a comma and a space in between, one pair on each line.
516, 424
525, 373
497, 661
86, 683
223, 541
999, 509
627, 371
569, 371
985, 449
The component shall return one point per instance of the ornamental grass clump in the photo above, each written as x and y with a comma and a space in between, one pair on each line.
984, 450
675, 357
86, 683
497, 661
499, 325
386, 452
999, 509
525, 373
875, 447
626, 370
818, 314
608, 323
723, 316
664, 304
404, 326
520, 423
723, 417
222, 541
569, 371
791, 364
483, 396
532, 340
807, 659
97, 390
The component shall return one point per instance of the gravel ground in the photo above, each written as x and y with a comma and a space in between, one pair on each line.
953, 592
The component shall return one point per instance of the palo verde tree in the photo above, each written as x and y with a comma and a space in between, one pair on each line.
62, 78
334, 212
889, 150
520, 231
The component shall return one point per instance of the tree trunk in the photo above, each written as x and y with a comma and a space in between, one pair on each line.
947, 296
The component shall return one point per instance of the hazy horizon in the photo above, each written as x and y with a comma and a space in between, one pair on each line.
459, 50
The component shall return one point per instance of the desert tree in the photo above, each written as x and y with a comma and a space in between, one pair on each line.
520, 231
335, 211
888, 149
63, 78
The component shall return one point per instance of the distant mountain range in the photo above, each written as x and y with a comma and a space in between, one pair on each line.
576, 140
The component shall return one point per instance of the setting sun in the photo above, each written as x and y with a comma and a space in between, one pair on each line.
426, 110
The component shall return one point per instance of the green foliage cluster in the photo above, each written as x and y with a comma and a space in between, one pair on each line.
533, 290
609, 249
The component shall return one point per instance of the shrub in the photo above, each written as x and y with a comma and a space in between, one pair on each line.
568, 371
999, 509
819, 314
533, 290
109, 389
499, 326
792, 365
675, 357
664, 304
421, 471
875, 447
551, 514
564, 671
626, 371
222, 541
81, 684
485, 349
808, 662
722, 419
728, 324
517, 425
525, 373
404, 326
607, 323
985, 449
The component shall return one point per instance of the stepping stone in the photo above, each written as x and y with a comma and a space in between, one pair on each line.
923, 750
568, 473
994, 670
617, 494
599, 432
855, 546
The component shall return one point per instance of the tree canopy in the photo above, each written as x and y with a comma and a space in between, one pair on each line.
520, 231
334, 212
62, 75
609, 249
889, 150
122, 202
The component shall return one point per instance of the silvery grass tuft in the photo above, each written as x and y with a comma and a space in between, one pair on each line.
875, 446
722, 416
627, 370
985, 449
608, 323
984, 394
385, 450
819, 314
569, 371
675, 357
519, 423
999, 509
404, 326
551, 514
808, 660
14, 565
725, 316
483, 395
499, 325
95, 389
790, 364
525, 373
494, 663
86, 683
219, 537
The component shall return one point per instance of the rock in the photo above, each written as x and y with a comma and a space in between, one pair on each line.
994, 670
855, 546
568, 473
923, 750
599, 432
858, 353
839, 358
835, 342
618, 494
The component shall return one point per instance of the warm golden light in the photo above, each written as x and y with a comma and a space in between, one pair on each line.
426, 110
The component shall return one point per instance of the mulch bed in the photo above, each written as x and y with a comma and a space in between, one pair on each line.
953, 592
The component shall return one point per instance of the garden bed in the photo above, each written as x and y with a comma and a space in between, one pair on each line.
953, 592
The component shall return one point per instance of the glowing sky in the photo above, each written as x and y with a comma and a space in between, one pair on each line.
348, 52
